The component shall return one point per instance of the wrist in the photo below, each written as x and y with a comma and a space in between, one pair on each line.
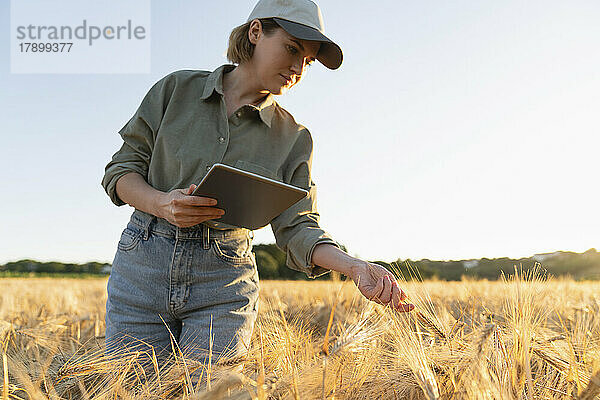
357, 268
158, 204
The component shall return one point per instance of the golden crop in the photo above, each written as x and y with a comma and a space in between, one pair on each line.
525, 337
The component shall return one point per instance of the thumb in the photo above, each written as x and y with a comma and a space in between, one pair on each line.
405, 307
191, 189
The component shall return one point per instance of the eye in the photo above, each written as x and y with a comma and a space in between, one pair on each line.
292, 49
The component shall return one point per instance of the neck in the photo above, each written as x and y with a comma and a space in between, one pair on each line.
241, 86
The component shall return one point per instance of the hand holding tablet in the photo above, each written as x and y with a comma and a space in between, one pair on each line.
183, 210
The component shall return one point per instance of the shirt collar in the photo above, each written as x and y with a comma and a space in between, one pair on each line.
266, 108
214, 82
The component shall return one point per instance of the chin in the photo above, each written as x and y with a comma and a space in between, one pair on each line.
278, 90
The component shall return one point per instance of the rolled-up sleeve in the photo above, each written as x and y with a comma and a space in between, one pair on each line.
138, 135
297, 230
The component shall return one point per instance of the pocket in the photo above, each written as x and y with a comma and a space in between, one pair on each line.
130, 237
235, 249
255, 168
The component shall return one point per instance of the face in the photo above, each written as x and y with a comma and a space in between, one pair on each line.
279, 60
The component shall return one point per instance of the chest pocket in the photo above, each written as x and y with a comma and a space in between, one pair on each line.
257, 169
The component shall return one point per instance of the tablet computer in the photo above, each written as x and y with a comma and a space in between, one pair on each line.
250, 200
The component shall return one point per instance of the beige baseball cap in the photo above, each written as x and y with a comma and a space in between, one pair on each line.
301, 19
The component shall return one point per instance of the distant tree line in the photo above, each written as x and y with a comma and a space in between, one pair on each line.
271, 265
561, 263
27, 265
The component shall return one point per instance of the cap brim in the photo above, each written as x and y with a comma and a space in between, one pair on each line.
330, 54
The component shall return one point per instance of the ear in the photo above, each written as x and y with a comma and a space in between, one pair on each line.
254, 31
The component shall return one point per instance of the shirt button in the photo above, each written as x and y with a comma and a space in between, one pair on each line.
221, 139
208, 167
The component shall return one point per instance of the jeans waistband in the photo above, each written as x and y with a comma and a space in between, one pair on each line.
150, 222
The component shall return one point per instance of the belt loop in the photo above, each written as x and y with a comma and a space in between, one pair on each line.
147, 227
205, 236
251, 234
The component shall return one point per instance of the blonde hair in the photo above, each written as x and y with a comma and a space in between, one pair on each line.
240, 48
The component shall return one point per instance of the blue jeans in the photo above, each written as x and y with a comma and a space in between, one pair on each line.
168, 285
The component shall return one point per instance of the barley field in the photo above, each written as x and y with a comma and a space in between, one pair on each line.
525, 337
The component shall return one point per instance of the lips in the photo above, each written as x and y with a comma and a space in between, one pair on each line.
286, 79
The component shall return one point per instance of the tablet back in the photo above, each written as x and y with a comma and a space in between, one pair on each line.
250, 200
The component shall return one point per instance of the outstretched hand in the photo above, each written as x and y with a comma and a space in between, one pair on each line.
379, 285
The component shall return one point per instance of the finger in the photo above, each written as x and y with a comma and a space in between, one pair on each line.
185, 215
199, 201
405, 307
187, 211
194, 211
396, 294
214, 213
386, 294
402, 295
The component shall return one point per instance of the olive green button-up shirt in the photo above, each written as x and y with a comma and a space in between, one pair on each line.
181, 129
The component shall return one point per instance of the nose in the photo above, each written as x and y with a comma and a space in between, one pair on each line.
297, 67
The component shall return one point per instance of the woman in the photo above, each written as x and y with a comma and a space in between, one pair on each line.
176, 265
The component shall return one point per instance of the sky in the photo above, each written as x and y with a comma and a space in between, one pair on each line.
452, 130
